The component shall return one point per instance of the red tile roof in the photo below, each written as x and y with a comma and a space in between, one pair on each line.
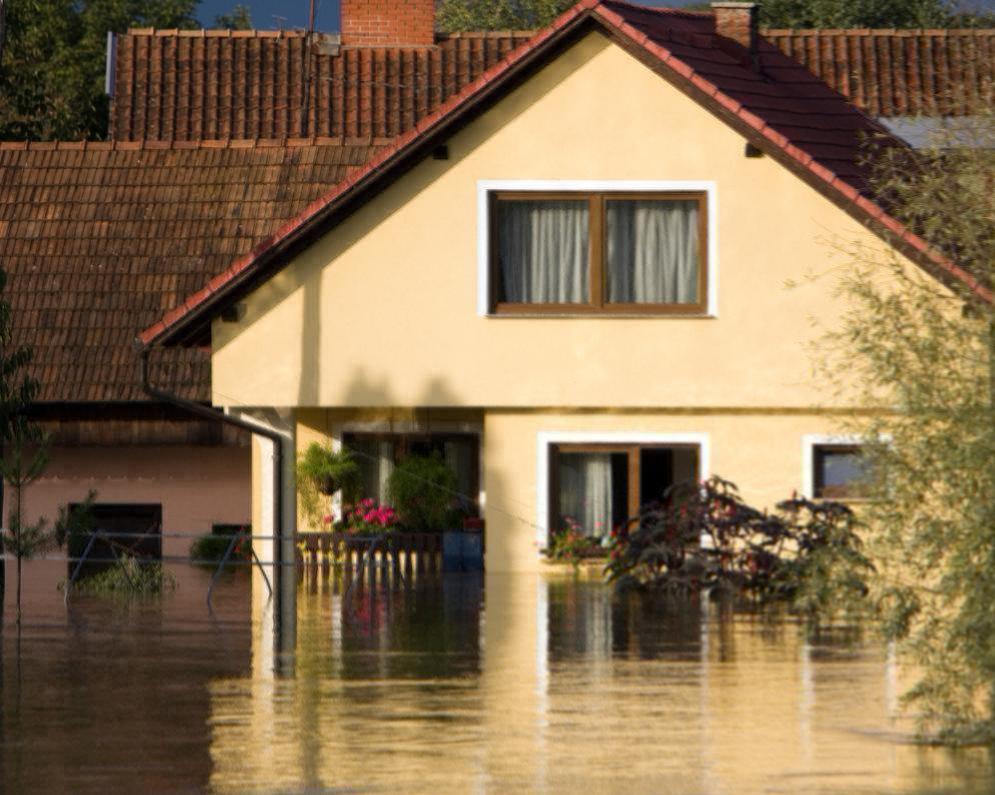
190, 85
784, 109
99, 239
899, 72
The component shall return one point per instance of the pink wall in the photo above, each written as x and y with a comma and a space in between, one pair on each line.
196, 486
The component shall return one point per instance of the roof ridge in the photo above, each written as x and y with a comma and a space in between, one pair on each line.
484, 34
905, 32
221, 33
148, 145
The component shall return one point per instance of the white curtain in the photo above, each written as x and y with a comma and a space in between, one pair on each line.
543, 249
652, 251
586, 491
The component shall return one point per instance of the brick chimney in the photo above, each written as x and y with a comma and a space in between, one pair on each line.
738, 22
388, 23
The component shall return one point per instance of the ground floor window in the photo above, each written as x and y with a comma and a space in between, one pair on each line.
132, 530
601, 486
378, 453
839, 471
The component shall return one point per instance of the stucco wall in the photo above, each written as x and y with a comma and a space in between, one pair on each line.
383, 310
196, 486
760, 452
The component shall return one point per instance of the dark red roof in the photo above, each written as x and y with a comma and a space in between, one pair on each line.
899, 72
209, 84
100, 239
782, 108
212, 84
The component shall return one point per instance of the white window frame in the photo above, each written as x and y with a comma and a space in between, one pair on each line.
487, 186
545, 440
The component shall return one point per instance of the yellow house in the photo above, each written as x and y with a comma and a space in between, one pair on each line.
571, 281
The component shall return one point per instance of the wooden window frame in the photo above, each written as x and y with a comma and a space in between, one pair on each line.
819, 450
633, 469
597, 255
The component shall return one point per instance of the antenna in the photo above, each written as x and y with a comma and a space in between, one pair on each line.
306, 72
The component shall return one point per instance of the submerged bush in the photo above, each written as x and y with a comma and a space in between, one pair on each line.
129, 576
702, 537
211, 548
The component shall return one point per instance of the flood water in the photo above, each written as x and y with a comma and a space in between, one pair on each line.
516, 684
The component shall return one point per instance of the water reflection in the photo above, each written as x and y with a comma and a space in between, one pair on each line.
463, 684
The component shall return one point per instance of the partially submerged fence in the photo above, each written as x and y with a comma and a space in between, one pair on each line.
403, 554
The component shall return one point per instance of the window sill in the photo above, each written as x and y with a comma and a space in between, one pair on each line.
570, 315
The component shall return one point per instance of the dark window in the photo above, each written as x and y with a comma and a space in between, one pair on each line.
602, 486
840, 472
600, 252
378, 454
133, 530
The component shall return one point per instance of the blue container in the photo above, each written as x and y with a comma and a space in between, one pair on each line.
462, 551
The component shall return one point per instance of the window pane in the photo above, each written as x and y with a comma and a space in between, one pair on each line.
376, 461
586, 493
840, 472
543, 251
652, 251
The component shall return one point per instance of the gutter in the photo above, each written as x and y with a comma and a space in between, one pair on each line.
219, 416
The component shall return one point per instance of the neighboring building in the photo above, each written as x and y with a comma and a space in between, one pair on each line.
916, 82
97, 239
570, 280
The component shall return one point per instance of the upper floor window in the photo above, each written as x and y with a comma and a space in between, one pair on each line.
604, 252
840, 472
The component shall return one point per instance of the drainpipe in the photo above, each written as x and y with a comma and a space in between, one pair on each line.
285, 579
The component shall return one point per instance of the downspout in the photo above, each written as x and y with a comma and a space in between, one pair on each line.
219, 416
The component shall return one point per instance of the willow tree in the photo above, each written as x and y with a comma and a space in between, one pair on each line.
460, 15
922, 349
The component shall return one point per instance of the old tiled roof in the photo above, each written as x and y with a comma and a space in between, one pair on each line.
899, 72
191, 85
100, 239
782, 108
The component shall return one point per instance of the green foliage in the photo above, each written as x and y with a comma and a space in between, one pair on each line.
866, 14
568, 544
212, 547
925, 354
240, 18
52, 74
322, 471
702, 537
422, 490
128, 577
461, 15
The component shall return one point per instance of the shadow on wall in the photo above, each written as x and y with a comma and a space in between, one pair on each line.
310, 264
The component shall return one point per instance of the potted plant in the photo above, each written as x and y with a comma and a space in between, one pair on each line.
322, 471
423, 490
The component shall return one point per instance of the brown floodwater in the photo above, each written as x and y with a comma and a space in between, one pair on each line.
513, 684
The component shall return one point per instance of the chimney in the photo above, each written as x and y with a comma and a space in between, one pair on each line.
388, 23
738, 22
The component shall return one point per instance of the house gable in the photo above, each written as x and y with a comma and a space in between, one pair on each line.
383, 309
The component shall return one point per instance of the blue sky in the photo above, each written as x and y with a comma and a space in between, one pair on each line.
293, 13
